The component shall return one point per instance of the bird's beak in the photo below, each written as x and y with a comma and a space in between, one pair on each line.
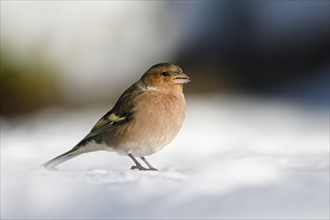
181, 78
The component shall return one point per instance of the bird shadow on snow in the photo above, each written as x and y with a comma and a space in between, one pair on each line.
103, 176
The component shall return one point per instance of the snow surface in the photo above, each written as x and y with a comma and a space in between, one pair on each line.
234, 158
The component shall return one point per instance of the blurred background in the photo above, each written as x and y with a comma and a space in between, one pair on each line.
255, 142
73, 54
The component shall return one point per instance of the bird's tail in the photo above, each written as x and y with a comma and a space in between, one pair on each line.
62, 158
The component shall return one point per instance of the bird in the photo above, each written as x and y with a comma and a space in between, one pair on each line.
145, 118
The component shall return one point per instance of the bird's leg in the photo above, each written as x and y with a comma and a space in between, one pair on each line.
138, 165
148, 164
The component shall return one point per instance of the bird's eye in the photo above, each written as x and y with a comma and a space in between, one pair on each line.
165, 74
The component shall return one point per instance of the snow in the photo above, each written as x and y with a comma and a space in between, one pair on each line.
235, 157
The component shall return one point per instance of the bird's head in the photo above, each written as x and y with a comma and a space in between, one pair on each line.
165, 77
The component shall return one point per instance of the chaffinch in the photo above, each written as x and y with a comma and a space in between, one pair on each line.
146, 117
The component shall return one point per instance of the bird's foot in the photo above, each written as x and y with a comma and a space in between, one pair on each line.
143, 168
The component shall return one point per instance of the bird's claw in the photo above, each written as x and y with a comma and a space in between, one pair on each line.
143, 168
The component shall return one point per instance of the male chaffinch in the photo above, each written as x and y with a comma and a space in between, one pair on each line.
146, 117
